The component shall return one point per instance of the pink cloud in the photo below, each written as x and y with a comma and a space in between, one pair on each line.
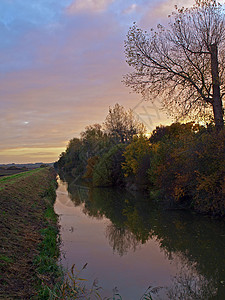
158, 12
132, 8
94, 6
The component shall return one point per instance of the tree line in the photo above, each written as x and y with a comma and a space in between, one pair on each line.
177, 165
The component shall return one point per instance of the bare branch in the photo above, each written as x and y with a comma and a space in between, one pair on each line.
176, 62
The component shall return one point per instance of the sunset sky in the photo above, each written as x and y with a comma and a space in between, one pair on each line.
62, 62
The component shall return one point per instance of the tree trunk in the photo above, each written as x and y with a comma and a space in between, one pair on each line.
217, 101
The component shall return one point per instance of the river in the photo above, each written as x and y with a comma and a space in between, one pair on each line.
132, 247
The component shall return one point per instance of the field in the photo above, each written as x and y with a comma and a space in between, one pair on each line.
5, 172
27, 217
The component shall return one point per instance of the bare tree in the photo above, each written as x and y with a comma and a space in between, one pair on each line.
122, 125
183, 63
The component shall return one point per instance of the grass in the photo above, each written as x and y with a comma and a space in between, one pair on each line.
48, 271
14, 177
6, 172
28, 233
4, 260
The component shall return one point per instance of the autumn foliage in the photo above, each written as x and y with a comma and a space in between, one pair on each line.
181, 165
189, 168
185, 166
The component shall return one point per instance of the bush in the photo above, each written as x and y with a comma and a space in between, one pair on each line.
108, 170
137, 161
92, 161
209, 196
189, 169
134, 153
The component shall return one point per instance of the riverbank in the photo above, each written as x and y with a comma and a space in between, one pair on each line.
28, 234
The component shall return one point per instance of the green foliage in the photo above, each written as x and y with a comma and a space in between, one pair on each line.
209, 196
168, 171
137, 161
174, 131
47, 268
108, 172
188, 167
5, 259
134, 153
92, 132
93, 142
71, 159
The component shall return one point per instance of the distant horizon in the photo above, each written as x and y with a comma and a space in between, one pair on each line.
29, 163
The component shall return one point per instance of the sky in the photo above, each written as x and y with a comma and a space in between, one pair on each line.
61, 67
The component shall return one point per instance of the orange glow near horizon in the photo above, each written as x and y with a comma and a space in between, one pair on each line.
30, 155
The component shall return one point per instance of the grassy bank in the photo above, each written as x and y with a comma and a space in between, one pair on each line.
28, 234
5, 172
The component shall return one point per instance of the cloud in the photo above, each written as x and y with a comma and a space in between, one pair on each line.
131, 9
158, 12
94, 6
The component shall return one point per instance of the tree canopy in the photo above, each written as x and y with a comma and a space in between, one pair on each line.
182, 63
122, 125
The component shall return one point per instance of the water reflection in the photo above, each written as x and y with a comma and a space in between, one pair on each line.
191, 285
121, 239
196, 240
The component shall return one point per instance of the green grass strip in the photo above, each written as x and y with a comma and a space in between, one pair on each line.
46, 264
13, 178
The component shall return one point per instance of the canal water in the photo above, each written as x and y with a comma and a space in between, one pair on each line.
132, 247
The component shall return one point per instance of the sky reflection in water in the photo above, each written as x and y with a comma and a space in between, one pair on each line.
130, 245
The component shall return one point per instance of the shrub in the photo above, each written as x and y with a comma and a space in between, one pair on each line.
209, 196
189, 168
108, 171
90, 167
134, 154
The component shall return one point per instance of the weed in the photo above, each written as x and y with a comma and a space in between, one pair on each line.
6, 259
72, 287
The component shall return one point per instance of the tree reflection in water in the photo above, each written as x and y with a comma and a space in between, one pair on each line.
121, 239
198, 240
189, 285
